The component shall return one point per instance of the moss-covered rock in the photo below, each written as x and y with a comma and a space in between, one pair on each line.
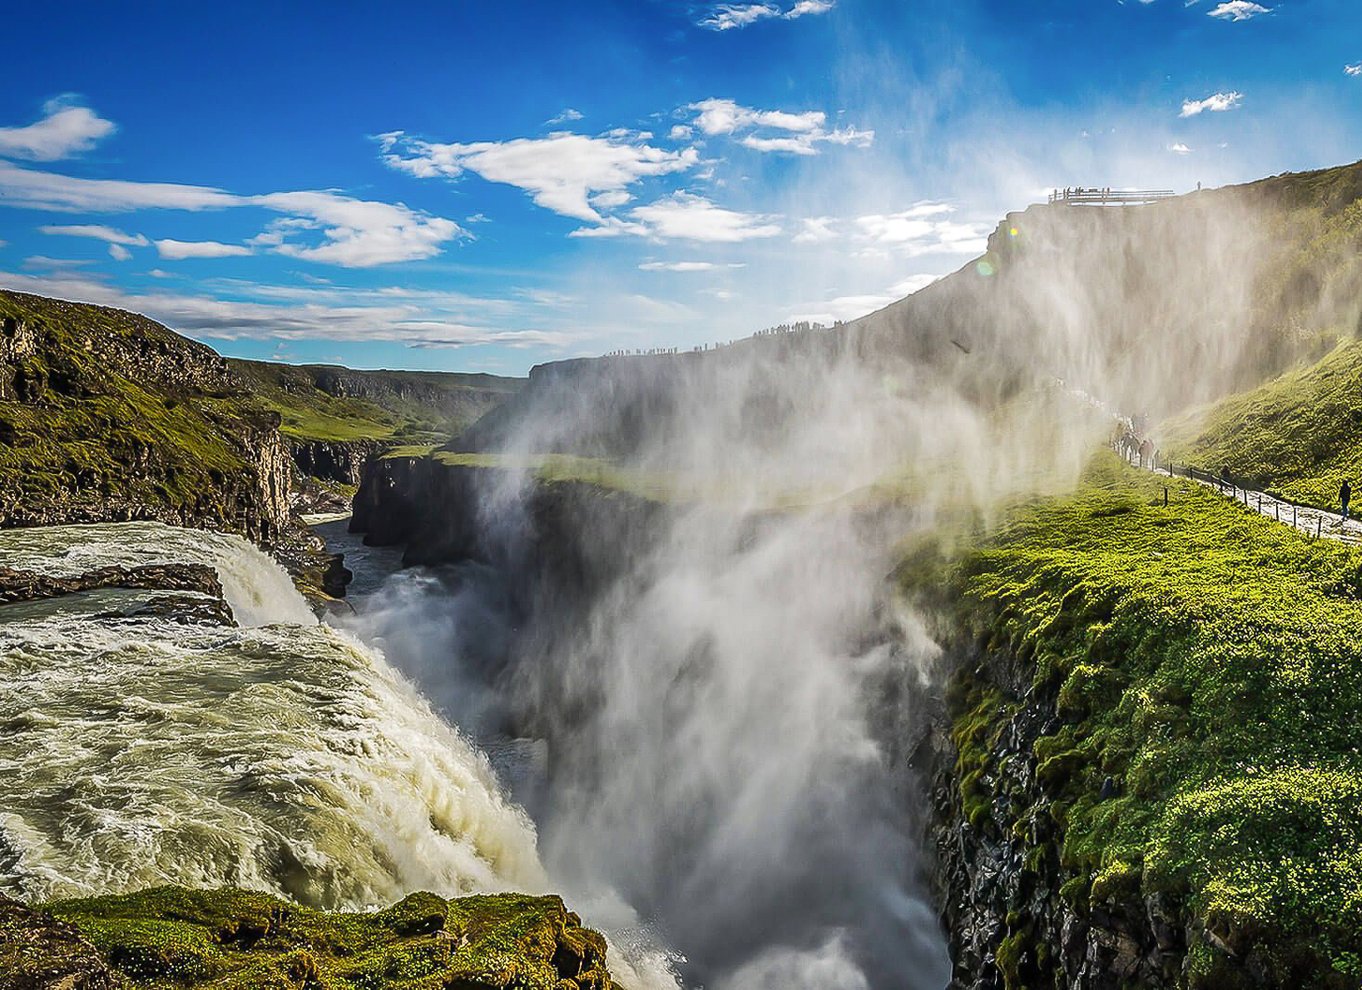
109, 416
1155, 746
233, 939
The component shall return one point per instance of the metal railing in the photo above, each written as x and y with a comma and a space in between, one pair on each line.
1109, 197
1307, 519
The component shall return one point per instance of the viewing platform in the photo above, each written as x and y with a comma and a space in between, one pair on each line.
1109, 197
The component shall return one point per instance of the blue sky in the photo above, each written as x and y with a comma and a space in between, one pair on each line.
485, 186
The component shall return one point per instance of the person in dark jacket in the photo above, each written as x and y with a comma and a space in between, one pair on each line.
1345, 494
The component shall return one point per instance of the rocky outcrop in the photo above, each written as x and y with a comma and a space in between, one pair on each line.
39, 952
567, 538
25, 586
338, 461
241, 940
1014, 915
199, 599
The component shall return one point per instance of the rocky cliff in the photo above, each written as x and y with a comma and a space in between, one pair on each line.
1146, 776
240, 940
109, 416
558, 532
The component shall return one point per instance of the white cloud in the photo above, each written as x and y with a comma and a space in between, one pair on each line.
358, 233
795, 133
565, 116
716, 116
119, 253
684, 216
726, 16
40, 262
178, 250
1178, 148
681, 132
685, 266
318, 226
1216, 103
99, 232
736, 15
809, 7
67, 194
358, 315
561, 172
65, 130
1353, 70
815, 230
921, 229
1238, 10
610, 200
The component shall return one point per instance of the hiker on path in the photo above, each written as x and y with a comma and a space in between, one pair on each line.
1344, 495
1147, 454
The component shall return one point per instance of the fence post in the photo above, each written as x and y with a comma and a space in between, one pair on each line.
1293, 517
1165, 495
1319, 526
1277, 508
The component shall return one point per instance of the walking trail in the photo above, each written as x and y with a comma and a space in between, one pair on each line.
1311, 521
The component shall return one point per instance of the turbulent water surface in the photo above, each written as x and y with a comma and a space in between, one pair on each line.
725, 794
283, 755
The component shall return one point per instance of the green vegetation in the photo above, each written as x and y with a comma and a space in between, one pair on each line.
319, 402
1206, 660
101, 405
233, 939
552, 468
1298, 437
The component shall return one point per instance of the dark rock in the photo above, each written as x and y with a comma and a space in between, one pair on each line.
999, 884
38, 952
206, 604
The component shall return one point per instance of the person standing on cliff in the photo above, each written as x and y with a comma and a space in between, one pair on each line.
1345, 494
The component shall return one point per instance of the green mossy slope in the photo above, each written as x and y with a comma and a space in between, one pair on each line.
319, 402
233, 939
105, 414
1298, 436
1207, 661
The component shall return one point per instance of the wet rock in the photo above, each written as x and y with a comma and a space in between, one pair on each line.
204, 603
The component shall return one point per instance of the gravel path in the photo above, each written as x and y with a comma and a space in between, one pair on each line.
1311, 521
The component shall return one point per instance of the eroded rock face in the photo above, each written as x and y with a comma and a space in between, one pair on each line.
1000, 879
340, 462
204, 601
110, 417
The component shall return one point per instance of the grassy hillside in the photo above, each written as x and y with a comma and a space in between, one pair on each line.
321, 402
1298, 436
106, 414
1205, 660
240, 940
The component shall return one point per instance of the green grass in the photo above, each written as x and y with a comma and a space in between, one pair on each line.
99, 422
1206, 660
407, 407
1298, 436
308, 413
231, 939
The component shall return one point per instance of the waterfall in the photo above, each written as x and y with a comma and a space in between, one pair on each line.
258, 590
283, 756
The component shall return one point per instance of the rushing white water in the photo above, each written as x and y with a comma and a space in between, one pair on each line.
259, 591
283, 756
